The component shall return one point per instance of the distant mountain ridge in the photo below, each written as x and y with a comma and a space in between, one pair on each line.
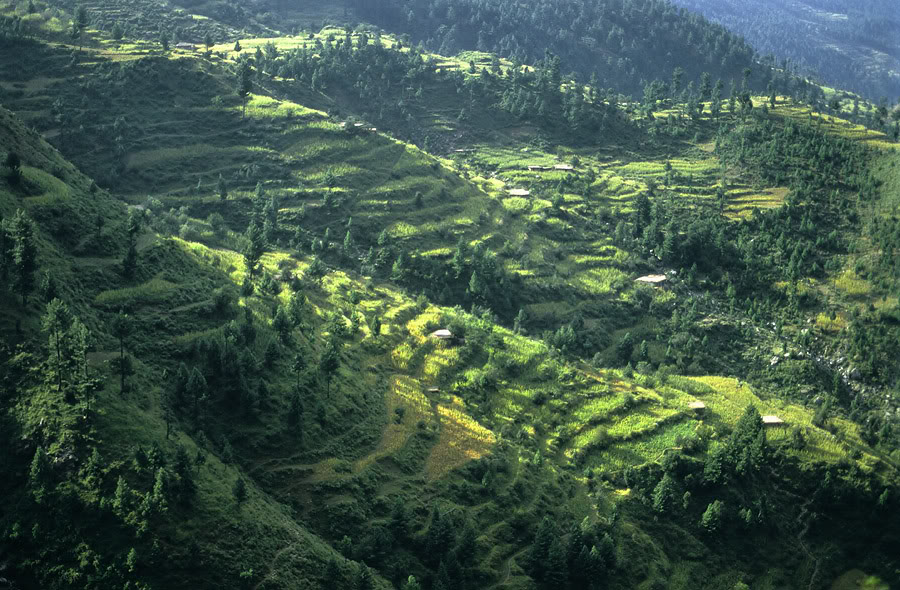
853, 45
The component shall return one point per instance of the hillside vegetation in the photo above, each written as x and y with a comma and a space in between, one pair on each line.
221, 364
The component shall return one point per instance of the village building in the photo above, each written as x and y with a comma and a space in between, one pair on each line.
651, 279
442, 334
772, 420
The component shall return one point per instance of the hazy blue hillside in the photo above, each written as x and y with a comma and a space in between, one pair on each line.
850, 44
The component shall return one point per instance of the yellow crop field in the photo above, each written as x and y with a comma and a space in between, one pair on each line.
461, 439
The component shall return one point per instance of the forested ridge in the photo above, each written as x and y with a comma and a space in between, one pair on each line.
623, 42
339, 310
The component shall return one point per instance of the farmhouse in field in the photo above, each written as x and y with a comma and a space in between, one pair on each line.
185, 46
772, 421
697, 406
519, 192
564, 167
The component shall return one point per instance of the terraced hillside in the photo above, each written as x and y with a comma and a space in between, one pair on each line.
266, 288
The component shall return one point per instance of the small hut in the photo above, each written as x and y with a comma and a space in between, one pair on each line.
536, 168
772, 421
651, 279
519, 192
185, 46
442, 334
564, 167
697, 406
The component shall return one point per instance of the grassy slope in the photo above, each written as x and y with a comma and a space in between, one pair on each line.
439, 431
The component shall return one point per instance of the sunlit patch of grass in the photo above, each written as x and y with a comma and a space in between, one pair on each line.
589, 436
266, 107
824, 322
228, 261
406, 393
49, 186
645, 449
402, 355
153, 291
461, 440
852, 285
517, 205
741, 204
599, 281
417, 325
598, 408
401, 229
147, 158
645, 419
437, 252
439, 361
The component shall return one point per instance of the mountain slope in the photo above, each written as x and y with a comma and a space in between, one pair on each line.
282, 325
848, 45
623, 43
72, 523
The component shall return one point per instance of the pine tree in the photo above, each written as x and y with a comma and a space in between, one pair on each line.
298, 366
244, 85
129, 262
363, 579
24, 254
540, 548
122, 496
222, 188
117, 32
712, 516
664, 494
329, 363
282, 325
121, 329
239, 491
399, 271
13, 165
79, 338
56, 322
38, 475
254, 247
519, 321
196, 392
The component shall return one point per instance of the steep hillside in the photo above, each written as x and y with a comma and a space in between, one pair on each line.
304, 213
112, 496
846, 44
